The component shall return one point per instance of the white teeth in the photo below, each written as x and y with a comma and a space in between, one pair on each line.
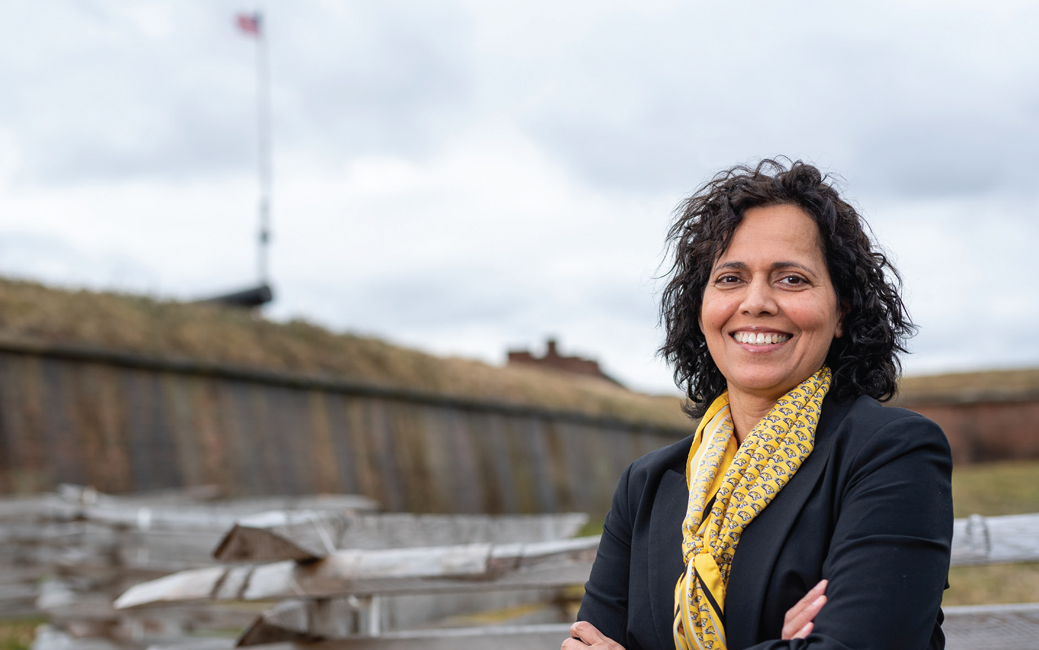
760, 338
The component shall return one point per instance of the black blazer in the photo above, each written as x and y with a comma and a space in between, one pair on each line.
870, 510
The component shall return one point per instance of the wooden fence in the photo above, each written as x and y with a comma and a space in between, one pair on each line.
312, 585
123, 423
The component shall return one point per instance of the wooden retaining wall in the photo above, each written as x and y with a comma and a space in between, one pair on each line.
123, 423
986, 430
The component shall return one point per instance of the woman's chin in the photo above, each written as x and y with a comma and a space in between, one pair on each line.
765, 383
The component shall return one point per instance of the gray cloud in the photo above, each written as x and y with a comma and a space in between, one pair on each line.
950, 157
104, 98
386, 78
901, 110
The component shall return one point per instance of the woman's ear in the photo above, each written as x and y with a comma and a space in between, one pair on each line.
842, 311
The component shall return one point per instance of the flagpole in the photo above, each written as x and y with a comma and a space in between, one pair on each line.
263, 111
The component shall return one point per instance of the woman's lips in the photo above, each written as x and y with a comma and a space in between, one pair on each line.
760, 338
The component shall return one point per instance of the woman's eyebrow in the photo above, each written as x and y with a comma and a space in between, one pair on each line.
785, 265
742, 266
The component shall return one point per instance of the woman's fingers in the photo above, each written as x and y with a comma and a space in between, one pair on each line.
800, 616
583, 635
804, 631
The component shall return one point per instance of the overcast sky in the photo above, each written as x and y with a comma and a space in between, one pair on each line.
469, 176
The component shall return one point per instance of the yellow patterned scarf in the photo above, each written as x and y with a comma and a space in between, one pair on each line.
757, 470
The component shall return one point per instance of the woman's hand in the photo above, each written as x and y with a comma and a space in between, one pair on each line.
584, 635
798, 622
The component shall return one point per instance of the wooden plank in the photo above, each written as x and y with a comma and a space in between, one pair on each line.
478, 426
468, 567
991, 540
382, 454
244, 458
512, 637
426, 570
82, 406
985, 627
322, 447
295, 441
281, 535
309, 535
517, 435
361, 466
464, 483
263, 433
576, 471
111, 409
500, 463
417, 447
541, 465
175, 391
212, 439
183, 586
63, 444
304, 620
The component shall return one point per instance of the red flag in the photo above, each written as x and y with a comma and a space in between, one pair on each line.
250, 23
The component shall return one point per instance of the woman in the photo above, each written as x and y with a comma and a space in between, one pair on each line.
802, 513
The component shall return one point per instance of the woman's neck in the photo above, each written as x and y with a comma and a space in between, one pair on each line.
746, 411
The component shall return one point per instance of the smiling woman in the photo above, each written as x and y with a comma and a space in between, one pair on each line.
770, 311
802, 513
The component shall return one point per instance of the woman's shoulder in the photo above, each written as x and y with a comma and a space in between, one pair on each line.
865, 422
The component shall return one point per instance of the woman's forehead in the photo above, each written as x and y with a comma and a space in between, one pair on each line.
774, 234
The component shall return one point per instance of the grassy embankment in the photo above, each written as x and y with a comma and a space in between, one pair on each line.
33, 313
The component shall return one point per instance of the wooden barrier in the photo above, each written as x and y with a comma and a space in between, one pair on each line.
123, 423
68, 555
308, 620
340, 576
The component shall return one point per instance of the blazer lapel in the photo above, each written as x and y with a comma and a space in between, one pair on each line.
763, 539
665, 542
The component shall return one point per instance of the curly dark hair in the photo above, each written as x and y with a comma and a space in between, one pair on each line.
876, 324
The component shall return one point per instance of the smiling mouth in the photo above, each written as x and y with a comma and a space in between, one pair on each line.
760, 338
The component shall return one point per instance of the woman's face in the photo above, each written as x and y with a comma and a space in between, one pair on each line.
769, 308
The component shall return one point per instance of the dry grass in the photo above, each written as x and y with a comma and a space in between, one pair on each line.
995, 489
17, 634
970, 386
987, 585
210, 333
1006, 488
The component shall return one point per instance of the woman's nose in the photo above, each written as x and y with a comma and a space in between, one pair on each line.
759, 299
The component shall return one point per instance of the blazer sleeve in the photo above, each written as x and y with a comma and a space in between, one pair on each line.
888, 558
605, 602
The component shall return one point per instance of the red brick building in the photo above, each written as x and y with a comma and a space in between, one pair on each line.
555, 361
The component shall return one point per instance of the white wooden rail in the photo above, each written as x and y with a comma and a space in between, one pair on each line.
319, 593
308, 535
994, 540
339, 570
467, 567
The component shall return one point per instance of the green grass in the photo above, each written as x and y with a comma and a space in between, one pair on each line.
17, 634
1006, 488
991, 489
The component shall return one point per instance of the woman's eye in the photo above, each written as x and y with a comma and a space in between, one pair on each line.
794, 281
728, 279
